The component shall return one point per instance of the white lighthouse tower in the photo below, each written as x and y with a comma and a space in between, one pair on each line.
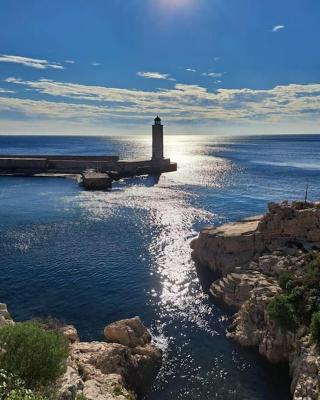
157, 139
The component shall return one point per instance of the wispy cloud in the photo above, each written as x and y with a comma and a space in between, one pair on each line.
30, 62
69, 61
95, 64
155, 75
191, 70
182, 103
213, 74
278, 28
6, 91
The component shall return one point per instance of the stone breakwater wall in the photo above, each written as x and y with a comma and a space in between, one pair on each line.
248, 257
67, 164
120, 368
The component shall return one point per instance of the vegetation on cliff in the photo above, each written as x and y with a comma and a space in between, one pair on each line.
14, 388
31, 360
299, 304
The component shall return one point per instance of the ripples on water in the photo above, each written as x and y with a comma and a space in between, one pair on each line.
94, 257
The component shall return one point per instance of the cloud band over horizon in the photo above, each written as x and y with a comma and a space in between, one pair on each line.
182, 104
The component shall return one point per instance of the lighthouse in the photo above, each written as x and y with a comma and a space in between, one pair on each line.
157, 139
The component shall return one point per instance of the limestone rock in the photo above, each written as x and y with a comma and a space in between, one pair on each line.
250, 255
111, 371
70, 332
5, 318
286, 226
129, 332
137, 367
236, 288
70, 383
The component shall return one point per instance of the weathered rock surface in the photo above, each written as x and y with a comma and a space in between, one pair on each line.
236, 288
120, 369
285, 227
250, 255
129, 332
70, 332
5, 318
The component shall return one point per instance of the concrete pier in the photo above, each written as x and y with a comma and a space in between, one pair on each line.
94, 172
99, 168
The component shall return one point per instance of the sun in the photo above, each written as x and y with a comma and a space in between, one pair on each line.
176, 4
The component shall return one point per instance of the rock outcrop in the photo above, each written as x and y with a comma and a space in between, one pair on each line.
5, 318
249, 256
128, 332
285, 227
119, 369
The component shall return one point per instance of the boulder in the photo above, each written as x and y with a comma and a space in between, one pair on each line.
70, 333
128, 332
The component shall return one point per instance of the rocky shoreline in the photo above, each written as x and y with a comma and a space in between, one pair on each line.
248, 258
121, 368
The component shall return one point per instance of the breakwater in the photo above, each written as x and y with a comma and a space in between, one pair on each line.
110, 166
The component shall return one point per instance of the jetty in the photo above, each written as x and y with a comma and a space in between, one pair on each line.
93, 172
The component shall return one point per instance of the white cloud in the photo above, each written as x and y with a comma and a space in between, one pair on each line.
155, 75
6, 91
95, 64
69, 61
30, 62
183, 103
191, 70
278, 28
213, 74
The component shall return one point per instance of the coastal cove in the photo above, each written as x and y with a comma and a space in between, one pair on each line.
93, 258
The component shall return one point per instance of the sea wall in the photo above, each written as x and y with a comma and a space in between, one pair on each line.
248, 257
64, 164
78, 164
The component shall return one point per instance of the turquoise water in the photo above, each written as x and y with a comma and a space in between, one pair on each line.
90, 258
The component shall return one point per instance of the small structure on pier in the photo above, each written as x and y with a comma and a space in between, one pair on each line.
92, 180
94, 172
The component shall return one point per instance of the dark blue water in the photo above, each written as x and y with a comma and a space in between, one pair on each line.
90, 258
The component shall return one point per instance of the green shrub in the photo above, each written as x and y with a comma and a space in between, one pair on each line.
13, 388
311, 277
284, 279
281, 311
33, 354
315, 328
302, 295
81, 396
118, 391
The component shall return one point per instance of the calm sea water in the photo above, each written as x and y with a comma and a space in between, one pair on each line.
90, 258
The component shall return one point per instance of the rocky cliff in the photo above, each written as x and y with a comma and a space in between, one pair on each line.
120, 368
248, 258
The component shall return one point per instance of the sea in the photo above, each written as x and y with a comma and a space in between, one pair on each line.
90, 258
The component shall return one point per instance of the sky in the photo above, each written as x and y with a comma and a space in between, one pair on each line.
205, 66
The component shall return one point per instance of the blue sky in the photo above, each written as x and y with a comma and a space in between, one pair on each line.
206, 66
